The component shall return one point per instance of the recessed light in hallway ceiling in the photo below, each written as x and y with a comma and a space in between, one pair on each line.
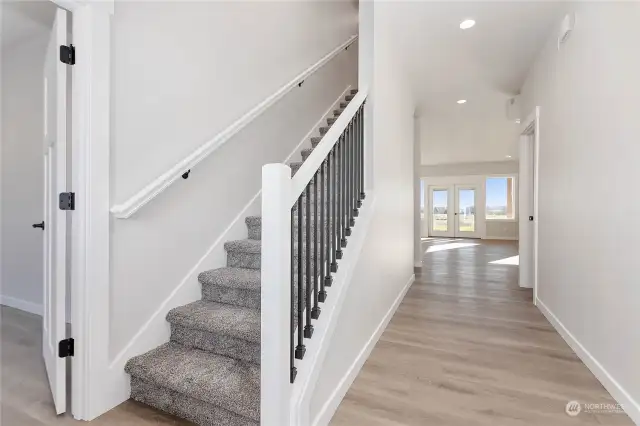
462, 101
467, 23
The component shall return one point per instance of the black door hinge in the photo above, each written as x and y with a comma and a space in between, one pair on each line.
531, 218
65, 348
68, 54
67, 201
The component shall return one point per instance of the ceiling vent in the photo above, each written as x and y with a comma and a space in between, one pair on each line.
513, 109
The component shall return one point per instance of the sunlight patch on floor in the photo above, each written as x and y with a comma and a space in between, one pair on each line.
513, 260
449, 246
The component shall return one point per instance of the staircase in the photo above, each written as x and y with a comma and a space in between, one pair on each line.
209, 371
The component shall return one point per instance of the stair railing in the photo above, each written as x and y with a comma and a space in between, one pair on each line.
306, 222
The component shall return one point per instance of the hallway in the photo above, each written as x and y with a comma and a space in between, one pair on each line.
467, 347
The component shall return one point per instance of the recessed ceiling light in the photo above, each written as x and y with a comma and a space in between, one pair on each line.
462, 101
508, 156
467, 23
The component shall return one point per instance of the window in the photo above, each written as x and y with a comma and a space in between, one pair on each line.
500, 198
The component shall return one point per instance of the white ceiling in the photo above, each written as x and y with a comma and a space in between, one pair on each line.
25, 19
486, 65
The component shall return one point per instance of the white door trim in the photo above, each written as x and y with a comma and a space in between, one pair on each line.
456, 213
90, 278
449, 233
530, 133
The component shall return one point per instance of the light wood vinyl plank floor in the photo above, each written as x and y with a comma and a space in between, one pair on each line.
25, 398
467, 347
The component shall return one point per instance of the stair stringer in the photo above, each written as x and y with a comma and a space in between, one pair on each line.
156, 330
310, 368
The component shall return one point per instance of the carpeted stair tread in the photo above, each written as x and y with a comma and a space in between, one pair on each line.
192, 409
306, 153
218, 318
295, 166
244, 246
240, 278
315, 141
224, 382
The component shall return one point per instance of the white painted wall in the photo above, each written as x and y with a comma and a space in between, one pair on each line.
470, 168
182, 73
588, 95
473, 132
385, 264
21, 171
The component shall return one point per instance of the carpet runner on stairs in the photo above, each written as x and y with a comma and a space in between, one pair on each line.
209, 371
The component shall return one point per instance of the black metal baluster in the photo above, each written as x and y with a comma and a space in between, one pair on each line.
347, 181
315, 312
356, 194
360, 155
308, 329
334, 209
292, 330
362, 149
352, 168
300, 349
343, 191
339, 194
324, 232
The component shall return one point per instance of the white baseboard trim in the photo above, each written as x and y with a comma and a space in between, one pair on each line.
630, 406
21, 304
501, 238
155, 331
329, 408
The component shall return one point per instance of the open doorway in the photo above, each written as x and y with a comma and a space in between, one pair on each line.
528, 206
35, 180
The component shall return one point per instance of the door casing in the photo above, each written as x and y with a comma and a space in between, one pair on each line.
452, 210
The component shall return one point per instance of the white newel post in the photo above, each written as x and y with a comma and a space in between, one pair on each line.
275, 390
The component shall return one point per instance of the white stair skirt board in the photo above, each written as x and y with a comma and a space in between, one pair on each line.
156, 331
331, 405
309, 369
630, 406
23, 305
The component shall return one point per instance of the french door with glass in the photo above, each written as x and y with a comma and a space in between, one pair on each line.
453, 211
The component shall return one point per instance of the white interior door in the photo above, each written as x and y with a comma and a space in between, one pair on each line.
465, 213
441, 211
526, 212
55, 221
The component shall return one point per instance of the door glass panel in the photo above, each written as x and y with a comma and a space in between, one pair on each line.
467, 210
439, 216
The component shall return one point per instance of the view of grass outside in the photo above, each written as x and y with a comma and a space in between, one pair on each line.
439, 216
467, 212
500, 198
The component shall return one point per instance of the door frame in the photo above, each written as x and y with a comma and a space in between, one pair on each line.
456, 218
466, 182
529, 145
450, 233
90, 231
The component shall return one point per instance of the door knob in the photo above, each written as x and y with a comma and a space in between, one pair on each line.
38, 225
